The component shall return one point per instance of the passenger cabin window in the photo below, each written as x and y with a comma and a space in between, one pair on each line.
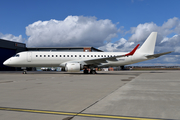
36, 55
67, 55
40, 55
71, 55
98, 55
56, 55
79, 55
94, 55
104, 55
48, 55
91, 55
59, 55
52, 55
87, 55
44, 55
64, 55
75, 55
83, 55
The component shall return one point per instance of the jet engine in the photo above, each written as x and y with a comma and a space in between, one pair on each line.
73, 67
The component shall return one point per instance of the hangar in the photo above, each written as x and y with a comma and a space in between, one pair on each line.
10, 48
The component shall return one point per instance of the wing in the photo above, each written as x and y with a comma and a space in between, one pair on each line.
157, 55
104, 60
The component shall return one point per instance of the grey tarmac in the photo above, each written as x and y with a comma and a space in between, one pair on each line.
119, 95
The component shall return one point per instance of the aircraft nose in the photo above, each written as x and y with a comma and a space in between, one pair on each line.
6, 62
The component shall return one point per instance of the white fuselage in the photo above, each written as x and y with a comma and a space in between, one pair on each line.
75, 61
59, 59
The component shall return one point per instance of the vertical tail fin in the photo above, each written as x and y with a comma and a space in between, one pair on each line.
149, 45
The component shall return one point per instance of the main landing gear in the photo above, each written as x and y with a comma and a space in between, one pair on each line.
122, 67
92, 71
85, 71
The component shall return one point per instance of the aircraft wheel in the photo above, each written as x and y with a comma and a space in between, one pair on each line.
24, 72
93, 71
85, 71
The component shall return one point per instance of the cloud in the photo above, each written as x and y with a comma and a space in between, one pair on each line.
168, 36
89, 31
12, 37
72, 31
141, 32
122, 44
171, 43
80, 31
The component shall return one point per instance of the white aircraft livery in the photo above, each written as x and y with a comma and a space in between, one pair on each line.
76, 61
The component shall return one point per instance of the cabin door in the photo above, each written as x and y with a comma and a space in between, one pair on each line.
29, 56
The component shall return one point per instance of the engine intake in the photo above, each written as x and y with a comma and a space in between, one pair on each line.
73, 67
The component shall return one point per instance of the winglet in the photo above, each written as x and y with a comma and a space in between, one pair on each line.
133, 51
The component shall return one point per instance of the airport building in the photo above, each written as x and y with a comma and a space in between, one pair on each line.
10, 48
7, 50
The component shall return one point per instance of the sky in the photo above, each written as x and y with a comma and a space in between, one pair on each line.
109, 25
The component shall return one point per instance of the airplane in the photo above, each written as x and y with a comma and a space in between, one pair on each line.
76, 61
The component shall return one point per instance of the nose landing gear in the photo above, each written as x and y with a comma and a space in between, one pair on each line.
24, 70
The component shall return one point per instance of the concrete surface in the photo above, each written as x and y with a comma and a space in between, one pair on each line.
149, 94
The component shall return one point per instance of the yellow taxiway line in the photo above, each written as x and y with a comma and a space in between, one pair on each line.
75, 114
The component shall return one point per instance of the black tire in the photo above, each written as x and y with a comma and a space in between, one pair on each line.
93, 72
85, 71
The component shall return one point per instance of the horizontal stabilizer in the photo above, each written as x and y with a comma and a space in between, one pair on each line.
158, 55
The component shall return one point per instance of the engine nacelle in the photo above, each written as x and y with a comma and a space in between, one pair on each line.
73, 67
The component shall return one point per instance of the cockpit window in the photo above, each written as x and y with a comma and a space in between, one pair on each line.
17, 55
